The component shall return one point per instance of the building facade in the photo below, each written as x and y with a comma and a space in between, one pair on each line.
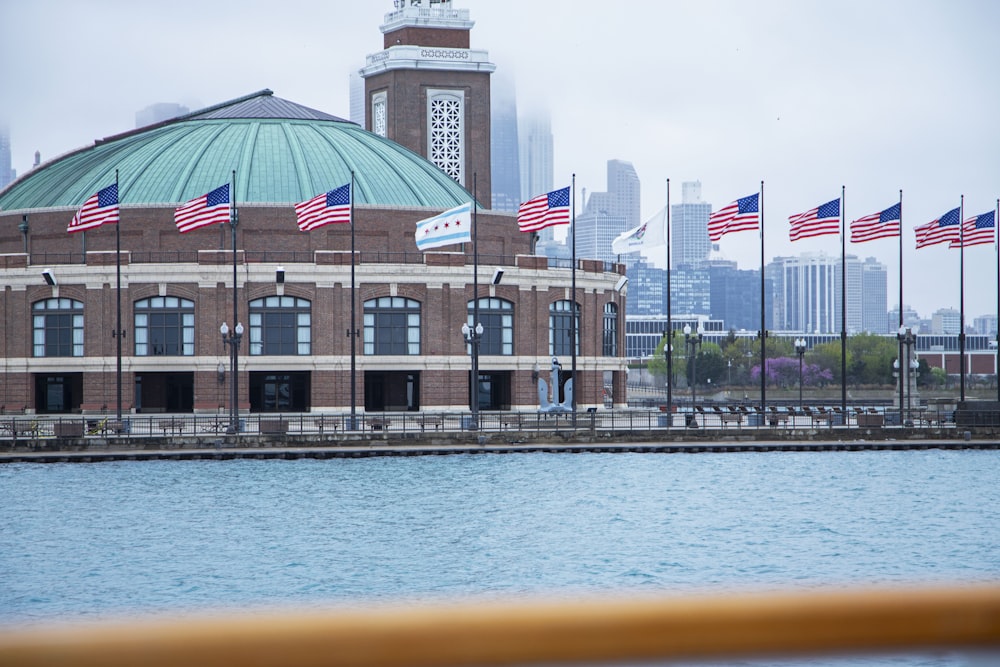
689, 228
345, 316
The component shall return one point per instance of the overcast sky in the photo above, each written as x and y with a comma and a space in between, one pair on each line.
807, 96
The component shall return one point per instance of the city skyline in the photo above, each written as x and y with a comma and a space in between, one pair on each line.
725, 93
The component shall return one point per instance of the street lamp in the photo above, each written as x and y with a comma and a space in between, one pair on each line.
231, 339
691, 345
907, 339
473, 335
800, 349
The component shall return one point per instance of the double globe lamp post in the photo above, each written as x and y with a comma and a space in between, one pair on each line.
473, 336
800, 349
905, 370
691, 344
231, 339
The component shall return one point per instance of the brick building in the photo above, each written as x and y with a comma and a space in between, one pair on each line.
293, 291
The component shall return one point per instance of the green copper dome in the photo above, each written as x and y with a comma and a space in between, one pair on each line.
282, 153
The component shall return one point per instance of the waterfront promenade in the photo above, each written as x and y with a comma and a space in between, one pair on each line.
190, 437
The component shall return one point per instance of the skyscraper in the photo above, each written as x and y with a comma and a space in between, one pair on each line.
7, 174
504, 158
689, 227
608, 214
535, 152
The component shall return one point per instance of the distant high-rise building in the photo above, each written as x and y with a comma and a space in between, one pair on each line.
608, 214
646, 285
689, 227
808, 292
946, 321
985, 325
504, 147
357, 97
535, 153
911, 318
735, 295
873, 296
7, 174
157, 113
690, 292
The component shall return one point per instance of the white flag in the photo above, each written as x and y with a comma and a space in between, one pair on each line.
452, 226
649, 234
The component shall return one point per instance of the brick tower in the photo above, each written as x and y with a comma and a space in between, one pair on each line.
429, 91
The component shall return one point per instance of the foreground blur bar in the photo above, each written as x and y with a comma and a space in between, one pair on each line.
592, 631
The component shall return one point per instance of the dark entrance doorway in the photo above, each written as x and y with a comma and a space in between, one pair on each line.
56, 394
280, 392
164, 392
494, 390
392, 390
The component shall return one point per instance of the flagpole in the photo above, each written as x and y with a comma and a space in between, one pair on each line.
353, 333
899, 354
961, 296
234, 380
474, 385
670, 325
118, 325
843, 305
575, 308
763, 320
996, 246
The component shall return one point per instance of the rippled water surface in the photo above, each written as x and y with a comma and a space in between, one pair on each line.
84, 540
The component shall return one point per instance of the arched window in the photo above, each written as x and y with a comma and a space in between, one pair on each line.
610, 340
164, 325
280, 325
57, 328
392, 326
380, 119
561, 328
497, 318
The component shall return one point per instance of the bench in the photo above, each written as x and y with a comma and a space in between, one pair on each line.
173, 425
727, 417
273, 426
378, 423
437, 421
510, 420
326, 421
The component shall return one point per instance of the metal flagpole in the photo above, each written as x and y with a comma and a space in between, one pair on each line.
763, 320
961, 296
353, 333
900, 353
996, 245
670, 326
573, 304
843, 305
118, 325
234, 381
474, 385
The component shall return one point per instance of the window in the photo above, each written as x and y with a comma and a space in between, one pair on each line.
164, 325
280, 325
57, 328
392, 326
445, 132
561, 328
497, 318
379, 115
610, 342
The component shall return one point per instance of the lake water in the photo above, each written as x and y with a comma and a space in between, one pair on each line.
81, 541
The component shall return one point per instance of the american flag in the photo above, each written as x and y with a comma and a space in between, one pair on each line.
101, 208
203, 211
882, 225
977, 230
945, 228
331, 207
743, 214
817, 221
544, 211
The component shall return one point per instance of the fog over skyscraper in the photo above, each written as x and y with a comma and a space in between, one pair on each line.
7, 174
608, 214
504, 147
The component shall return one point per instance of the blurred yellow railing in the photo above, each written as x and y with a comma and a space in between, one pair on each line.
589, 632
